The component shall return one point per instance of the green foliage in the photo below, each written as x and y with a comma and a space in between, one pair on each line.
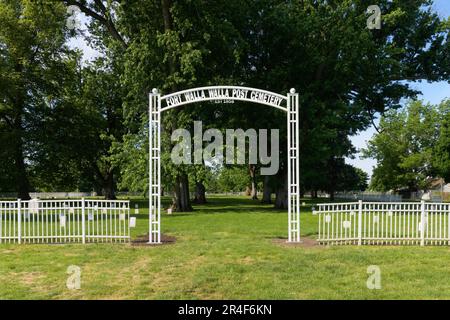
352, 179
35, 68
441, 152
233, 179
404, 148
77, 134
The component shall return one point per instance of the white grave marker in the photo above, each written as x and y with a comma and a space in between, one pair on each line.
33, 205
132, 222
62, 220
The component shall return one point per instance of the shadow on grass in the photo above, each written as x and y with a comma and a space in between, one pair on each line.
220, 205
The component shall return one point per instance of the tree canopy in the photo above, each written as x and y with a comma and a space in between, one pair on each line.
411, 148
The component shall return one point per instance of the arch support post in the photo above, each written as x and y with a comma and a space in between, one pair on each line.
154, 165
293, 167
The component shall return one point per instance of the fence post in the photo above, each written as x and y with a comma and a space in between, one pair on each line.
422, 223
360, 207
19, 220
448, 225
83, 221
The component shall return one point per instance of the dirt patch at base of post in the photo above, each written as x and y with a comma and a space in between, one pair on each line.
143, 240
305, 242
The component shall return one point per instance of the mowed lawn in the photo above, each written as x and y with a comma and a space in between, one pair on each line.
228, 249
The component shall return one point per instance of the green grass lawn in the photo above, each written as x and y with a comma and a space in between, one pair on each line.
224, 250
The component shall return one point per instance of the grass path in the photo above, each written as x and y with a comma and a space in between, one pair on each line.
224, 250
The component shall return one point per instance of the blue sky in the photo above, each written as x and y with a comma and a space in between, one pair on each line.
431, 92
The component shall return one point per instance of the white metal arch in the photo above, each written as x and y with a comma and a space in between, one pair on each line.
288, 104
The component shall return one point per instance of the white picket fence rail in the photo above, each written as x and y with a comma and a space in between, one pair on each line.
60, 221
384, 223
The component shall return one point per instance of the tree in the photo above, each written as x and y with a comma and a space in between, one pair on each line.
352, 179
233, 179
33, 64
404, 148
441, 151
102, 97
73, 149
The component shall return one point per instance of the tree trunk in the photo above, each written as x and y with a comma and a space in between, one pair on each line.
281, 194
331, 195
22, 183
165, 5
98, 190
332, 177
108, 187
200, 193
181, 201
267, 191
106, 183
254, 192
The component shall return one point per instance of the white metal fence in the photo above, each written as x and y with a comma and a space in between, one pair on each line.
59, 221
384, 223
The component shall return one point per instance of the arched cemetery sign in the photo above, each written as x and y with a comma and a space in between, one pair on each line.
158, 104
229, 93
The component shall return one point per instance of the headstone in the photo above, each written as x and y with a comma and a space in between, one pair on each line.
62, 220
33, 206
